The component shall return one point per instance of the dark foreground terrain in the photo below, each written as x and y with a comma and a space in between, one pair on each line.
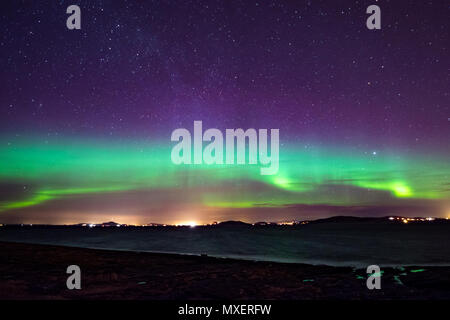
29, 271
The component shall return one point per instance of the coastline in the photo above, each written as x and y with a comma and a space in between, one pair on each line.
36, 271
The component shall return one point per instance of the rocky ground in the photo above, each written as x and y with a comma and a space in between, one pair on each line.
29, 271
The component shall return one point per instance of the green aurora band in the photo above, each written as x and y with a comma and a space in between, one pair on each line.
55, 170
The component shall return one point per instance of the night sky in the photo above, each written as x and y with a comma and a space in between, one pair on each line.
86, 115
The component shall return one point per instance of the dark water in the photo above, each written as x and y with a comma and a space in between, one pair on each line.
334, 243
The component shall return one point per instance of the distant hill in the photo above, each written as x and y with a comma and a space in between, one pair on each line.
232, 223
348, 219
104, 224
109, 224
154, 224
81, 224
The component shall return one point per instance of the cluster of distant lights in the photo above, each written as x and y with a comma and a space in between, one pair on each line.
92, 225
406, 220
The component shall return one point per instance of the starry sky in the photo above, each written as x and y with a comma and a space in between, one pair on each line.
87, 115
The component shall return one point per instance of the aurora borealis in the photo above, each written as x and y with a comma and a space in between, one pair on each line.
136, 182
86, 115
